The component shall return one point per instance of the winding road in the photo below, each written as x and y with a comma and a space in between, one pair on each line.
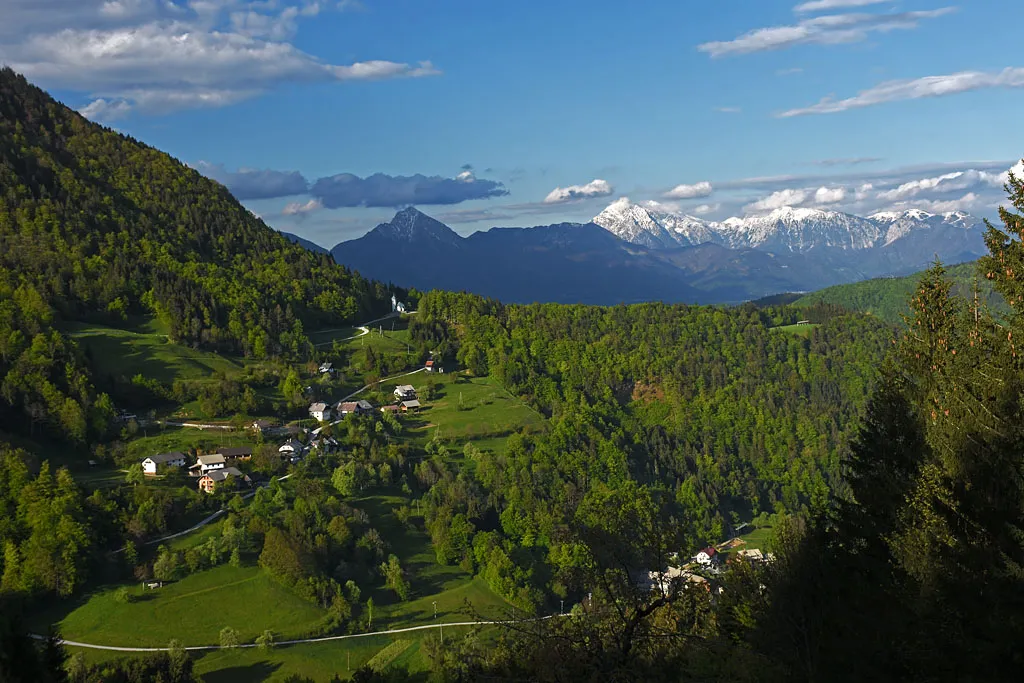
324, 639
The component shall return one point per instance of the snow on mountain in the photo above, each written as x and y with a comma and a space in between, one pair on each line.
411, 225
785, 229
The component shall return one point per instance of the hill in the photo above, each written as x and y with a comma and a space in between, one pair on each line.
96, 227
887, 298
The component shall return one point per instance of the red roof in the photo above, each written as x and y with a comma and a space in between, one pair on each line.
430, 363
709, 551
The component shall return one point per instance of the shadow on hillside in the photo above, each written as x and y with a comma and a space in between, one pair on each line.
260, 671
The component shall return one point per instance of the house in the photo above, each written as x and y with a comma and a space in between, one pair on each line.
707, 557
346, 407
364, 407
412, 405
291, 448
326, 368
208, 463
320, 412
263, 427
325, 444
662, 581
389, 409
235, 453
405, 392
400, 307
208, 482
154, 463
433, 366
754, 556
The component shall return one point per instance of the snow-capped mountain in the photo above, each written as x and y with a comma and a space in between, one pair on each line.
786, 229
650, 225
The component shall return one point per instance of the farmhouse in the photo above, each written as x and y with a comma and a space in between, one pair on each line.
320, 412
434, 366
389, 409
412, 406
754, 556
291, 447
209, 482
662, 581
364, 407
235, 453
263, 427
707, 557
325, 444
405, 392
208, 463
154, 463
346, 407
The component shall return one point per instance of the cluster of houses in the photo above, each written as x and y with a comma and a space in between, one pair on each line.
405, 402
709, 561
211, 469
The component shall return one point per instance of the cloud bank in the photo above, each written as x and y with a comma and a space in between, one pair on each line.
595, 188
382, 190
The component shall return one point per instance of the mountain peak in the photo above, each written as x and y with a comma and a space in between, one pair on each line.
412, 225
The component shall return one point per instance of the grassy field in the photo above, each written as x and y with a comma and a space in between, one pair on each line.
193, 610
168, 439
487, 410
758, 538
144, 349
803, 330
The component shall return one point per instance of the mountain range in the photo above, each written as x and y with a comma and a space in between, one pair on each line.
634, 252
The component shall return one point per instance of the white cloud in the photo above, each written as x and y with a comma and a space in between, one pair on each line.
969, 202
705, 209
728, 110
827, 5
918, 88
825, 30
299, 208
157, 56
595, 188
777, 200
829, 195
701, 189
944, 184
1017, 170
863, 192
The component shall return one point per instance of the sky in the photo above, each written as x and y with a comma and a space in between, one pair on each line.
325, 117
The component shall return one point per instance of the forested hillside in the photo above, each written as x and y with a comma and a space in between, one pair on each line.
888, 298
97, 226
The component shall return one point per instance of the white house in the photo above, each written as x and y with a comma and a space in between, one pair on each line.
706, 557
291, 447
326, 368
154, 463
207, 463
405, 392
320, 412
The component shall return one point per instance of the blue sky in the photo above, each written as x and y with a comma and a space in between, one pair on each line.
325, 117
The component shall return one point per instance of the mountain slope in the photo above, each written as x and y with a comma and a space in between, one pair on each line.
101, 225
302, 242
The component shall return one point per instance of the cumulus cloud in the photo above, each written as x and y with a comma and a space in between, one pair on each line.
829, 195
777, 200
595, 188
824, 30
299, 208
247, 183
704, 209
863, 192
156, 56
914, 89
701, 189
828, 5
381, 190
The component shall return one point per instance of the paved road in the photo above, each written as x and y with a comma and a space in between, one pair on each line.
195, 648
363, 331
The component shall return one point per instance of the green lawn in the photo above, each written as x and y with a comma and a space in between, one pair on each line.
193, 610
803, 330
143, 350
168, 439
489, 412
758, 538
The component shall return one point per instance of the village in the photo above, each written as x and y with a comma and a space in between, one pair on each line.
220, 469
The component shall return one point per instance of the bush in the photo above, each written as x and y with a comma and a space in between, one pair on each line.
266, 640
123, 596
